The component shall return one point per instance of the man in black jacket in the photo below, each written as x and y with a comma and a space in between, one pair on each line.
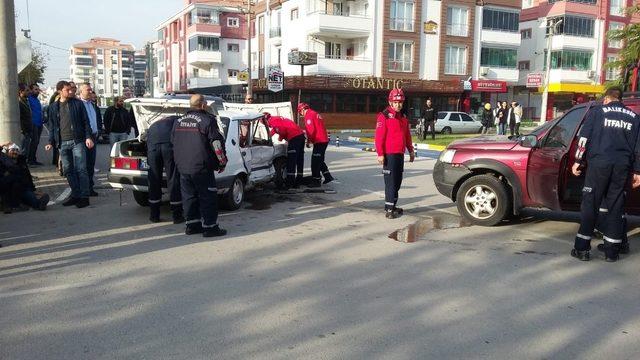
117, 122
26, 126
71, 132
430, 116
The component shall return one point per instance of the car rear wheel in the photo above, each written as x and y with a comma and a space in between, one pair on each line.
483, 200
141, 197
234, 197
446, 130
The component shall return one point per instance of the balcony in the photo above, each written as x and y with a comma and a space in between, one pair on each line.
202, 81
275, 32
329, 65
201, 57
340, 25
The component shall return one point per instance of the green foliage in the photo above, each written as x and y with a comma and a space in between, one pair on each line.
630, 52
34, 72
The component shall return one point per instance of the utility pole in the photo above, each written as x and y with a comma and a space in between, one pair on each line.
9, 115
249, 85
545, 93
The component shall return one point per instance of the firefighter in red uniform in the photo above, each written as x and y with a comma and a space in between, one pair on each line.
316, 135
392, 138
289, 131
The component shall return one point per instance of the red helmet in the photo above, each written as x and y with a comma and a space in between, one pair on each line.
266, 115
302, 106
396, 95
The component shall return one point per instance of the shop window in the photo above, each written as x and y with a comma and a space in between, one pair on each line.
351, 103
378, 103
319, 102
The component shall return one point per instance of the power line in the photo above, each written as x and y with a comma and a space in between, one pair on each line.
48, 45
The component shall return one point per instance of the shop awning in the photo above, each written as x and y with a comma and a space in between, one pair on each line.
574, 88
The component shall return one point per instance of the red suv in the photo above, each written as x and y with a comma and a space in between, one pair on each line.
492, 178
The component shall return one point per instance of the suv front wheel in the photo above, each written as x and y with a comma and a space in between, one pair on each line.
483, 200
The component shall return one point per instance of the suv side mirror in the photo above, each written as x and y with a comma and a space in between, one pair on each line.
529, 141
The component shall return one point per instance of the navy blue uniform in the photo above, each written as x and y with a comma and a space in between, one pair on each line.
609, 145
192, 138
159, 156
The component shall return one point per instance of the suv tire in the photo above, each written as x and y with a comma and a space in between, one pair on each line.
483, 200
235, 196
141, 197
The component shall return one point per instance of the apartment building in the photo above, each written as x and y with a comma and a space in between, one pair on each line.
104, 63
579, 48
431, 48
203, 46
140, 72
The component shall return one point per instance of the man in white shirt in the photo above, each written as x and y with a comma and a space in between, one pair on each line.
95, 123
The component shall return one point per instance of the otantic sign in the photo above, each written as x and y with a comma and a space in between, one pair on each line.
534, 80
275, 79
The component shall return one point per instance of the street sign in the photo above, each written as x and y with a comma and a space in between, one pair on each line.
275, 79
303, 58
243, 75
534, 80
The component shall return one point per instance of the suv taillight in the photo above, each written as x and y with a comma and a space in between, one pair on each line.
125, 163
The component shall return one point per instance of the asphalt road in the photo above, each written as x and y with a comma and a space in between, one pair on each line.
308, 276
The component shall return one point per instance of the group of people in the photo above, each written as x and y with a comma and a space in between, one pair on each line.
191, 149
501, 116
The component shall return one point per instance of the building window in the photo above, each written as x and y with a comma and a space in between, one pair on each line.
401, 15
85, 51
100, 61
455, 60
233, 22
400, 56
161, 34
574, 25
232, 73
114, 72
527, 4
616, 7
499, 58
351, 103
294, 13
205, 16
204, 43
500, 20
571, 60
99, 51
322, 103
457, 21
233, 47
100, 81
84, 62
100, 71
160, 56
261, 25
114, 61
615, 44
261, 59
612, 73
332, 50
114, 52
525, 34
524, 65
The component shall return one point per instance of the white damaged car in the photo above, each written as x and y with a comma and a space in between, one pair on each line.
253, 156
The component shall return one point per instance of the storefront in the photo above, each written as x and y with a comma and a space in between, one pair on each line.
483, 91
562, 97
353, 102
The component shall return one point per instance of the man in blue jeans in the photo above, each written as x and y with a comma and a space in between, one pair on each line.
71, 132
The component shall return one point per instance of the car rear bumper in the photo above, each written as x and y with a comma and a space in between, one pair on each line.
447, 176
137, 180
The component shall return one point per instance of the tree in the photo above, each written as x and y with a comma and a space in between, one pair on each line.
34, 72
629, 55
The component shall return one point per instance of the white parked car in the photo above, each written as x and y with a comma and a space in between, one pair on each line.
455, 122
253, 157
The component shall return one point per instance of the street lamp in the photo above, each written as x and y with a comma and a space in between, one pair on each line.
553, 24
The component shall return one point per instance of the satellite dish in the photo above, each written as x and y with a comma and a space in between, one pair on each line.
23, 51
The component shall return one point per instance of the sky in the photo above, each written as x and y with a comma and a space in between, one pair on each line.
62, 23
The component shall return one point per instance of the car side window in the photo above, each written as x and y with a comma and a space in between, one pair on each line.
442, 115
561, 134
466, 117
454, 117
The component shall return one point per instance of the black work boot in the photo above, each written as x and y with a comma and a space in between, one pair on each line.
314, 183
327, 177
582, 255
178, 217
194, 228
398, 210
70, 201
82, 202
390, 214
611, 251
154, 213
214, 231
299, 181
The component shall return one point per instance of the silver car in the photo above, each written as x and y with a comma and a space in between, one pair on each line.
456, 122
253, 156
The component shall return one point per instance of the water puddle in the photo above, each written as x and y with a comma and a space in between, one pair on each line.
420, 228
261, 202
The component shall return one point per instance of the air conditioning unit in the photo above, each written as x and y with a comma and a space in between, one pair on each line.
591, 74
484, 70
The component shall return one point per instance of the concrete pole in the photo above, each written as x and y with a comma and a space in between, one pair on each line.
249, 88
9, 115
545, 93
